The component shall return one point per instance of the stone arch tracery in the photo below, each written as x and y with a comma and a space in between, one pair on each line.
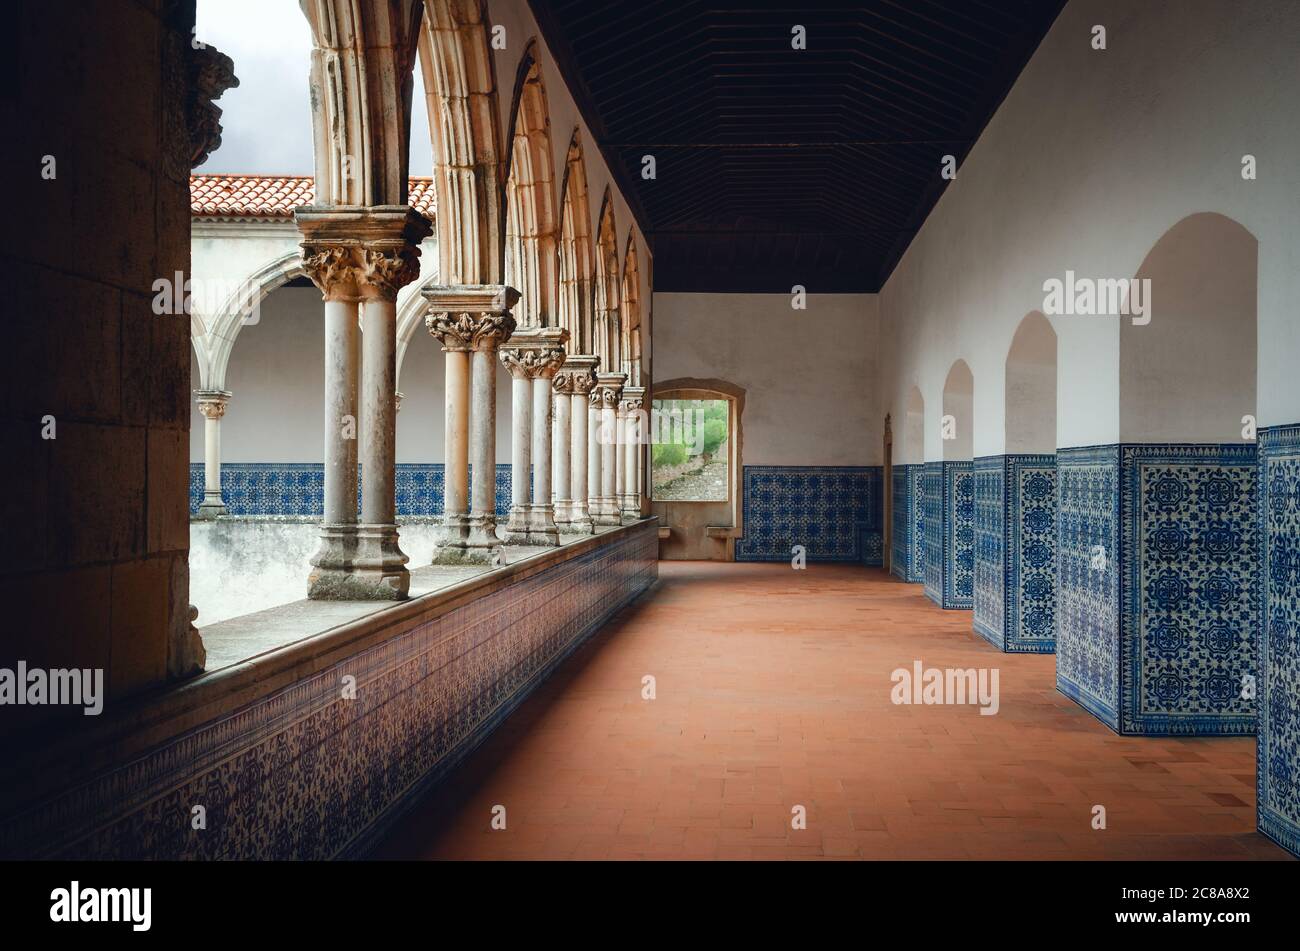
631, 313
575, 251
460, 88
530, 229
606, 297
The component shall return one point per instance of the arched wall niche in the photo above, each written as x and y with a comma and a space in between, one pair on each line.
957, 425
1188, 374
1031, 387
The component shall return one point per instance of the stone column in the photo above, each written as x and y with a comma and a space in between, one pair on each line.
609, 388
562, 450
357, 255
533, 356
471, 321
521, 444
633, 436
542, 527
580, 372
212, 404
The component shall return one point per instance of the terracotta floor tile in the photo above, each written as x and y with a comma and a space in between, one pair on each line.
773, 690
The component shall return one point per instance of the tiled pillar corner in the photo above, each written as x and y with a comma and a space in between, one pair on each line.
1030, 545
958, 535
1158, 586
932, 530
1278, 749
900, 547
991, 534
1015, 551
916, 558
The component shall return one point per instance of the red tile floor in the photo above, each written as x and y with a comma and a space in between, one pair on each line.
772, 689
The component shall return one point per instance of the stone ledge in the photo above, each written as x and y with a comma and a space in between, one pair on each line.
53, 760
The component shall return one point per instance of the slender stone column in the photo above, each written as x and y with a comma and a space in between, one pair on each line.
580, 371
562, 450
609, 387
533, 356
521, 445
212, 404
471, 321
357, 255
633, 437
542, 527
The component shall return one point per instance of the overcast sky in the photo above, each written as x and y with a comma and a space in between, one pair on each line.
266, 121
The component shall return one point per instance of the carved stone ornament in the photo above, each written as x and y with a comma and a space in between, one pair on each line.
455, 331
211, 73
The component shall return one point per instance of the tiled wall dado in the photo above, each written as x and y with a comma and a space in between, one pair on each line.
1158, 587
298, 488
948, 500
1015, 551
304, 773
834, 512
1278, 748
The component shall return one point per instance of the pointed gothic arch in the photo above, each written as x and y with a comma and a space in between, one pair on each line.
575, 250
530, 263
606, 297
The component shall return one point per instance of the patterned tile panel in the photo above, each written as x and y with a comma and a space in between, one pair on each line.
958, 535
990, 536
1030, 541
833, 511
916, 563
1189, 572
306, 774
298, 488
932, 497
903, 519
1278, 749
1087, 579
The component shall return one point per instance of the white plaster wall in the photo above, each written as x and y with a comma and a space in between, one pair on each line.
1031, 387
809, 375
1093, 156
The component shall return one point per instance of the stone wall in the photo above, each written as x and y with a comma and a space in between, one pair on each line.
94, 567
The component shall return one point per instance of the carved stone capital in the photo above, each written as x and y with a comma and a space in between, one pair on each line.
535, 353
357, 253
470, 316
633, 399
578, 375
491, 330
212, 403
608, 390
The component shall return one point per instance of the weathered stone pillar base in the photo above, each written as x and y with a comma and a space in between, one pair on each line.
463, 540
518, 528
358, 563
542, 529
211, 508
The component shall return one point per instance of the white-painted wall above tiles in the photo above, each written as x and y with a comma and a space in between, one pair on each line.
809, 375
1093, 157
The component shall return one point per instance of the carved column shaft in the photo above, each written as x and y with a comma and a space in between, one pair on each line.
633, 437
212, 404
533, 357
609, 387
360, 259
471, 321
580, 372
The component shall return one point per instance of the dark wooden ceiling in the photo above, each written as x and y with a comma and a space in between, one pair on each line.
778, 166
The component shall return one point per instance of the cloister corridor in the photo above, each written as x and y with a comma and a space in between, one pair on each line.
773, 689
